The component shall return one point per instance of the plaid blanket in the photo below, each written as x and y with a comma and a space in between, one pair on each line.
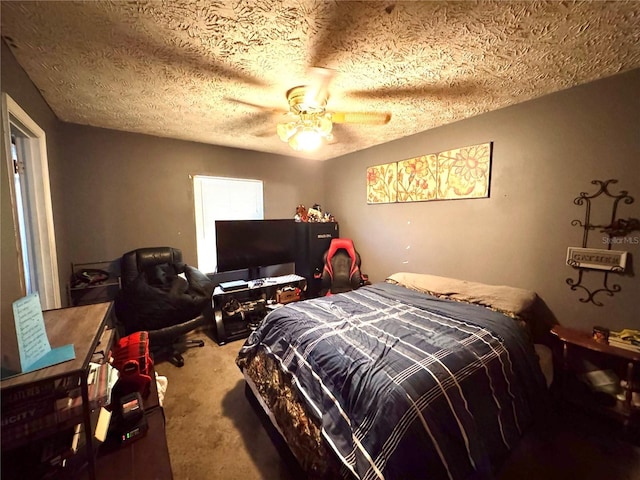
405, 385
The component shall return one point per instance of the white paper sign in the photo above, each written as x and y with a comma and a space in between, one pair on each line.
33, 342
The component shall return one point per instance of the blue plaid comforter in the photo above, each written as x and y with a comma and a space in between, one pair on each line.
406, 385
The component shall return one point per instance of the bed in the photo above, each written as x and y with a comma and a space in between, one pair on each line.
414, 377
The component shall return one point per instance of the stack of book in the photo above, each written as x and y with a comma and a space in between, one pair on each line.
51, 409
628, 339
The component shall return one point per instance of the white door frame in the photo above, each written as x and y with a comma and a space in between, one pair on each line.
45, 259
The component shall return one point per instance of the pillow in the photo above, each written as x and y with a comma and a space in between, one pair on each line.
198, 281
509, 300
161, 274
522, 305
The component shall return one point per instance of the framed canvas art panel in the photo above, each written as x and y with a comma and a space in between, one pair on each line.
418, 178
464, 172
455, 174
382, 183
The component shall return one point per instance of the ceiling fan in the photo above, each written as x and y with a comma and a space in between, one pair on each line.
307, 124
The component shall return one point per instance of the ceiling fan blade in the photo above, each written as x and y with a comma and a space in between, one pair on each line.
265, 132
459, 88
254, 120
319, 86
265, 108
185, 55
342, 134
333, 25
364, 118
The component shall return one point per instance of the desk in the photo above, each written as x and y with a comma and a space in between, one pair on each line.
251, 302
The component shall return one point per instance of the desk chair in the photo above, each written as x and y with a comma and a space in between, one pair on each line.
155, 298
341, 271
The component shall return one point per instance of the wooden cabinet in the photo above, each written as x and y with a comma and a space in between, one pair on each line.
581, 353
43, 410
38, 428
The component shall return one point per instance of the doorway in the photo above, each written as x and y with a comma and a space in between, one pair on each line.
26, 156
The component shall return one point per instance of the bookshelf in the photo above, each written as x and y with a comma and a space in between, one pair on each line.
93, 282
41, 410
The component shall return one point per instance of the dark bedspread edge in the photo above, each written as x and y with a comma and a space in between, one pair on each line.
300, 431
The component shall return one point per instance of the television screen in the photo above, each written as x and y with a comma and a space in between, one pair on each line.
251, 244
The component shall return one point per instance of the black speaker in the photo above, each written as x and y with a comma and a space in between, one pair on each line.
312, 240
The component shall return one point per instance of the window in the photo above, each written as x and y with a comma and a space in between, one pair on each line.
218, 198
26, 156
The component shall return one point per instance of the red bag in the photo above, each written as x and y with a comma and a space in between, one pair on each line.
131, 358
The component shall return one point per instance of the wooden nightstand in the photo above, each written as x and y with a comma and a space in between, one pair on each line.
578, 345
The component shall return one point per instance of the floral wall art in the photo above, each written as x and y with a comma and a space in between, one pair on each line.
454, 174
382, 183
417, 178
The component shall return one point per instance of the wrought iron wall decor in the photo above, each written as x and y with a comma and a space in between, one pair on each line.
617, 227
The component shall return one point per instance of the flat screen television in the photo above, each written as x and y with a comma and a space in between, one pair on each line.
252, 244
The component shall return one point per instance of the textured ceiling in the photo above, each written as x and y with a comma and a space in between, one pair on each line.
182, 68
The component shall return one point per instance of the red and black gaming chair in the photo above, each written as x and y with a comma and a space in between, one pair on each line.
341, 272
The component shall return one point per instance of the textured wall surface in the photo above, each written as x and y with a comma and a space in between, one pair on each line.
170, 68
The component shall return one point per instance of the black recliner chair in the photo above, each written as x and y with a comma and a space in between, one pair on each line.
341, 272
157, 299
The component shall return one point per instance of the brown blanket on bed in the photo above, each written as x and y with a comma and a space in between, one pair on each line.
500, 297
518, 303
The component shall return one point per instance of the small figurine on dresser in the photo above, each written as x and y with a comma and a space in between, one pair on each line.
301, 214
601, 334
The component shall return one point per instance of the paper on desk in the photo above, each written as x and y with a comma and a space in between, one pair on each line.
33, 343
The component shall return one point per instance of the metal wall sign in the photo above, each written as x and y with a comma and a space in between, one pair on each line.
609, 260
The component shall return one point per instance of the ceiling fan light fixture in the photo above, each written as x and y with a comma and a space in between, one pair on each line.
308, 123
286, 130
307, 139
307, 132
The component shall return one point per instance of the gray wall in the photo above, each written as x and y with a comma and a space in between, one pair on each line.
125, 190
545, 152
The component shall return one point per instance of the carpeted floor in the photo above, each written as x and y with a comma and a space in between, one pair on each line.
213, 432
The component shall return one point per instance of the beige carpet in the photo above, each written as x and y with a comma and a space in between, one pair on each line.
214, 433
212, 430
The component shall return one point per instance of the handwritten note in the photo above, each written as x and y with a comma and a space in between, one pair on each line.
33, 342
